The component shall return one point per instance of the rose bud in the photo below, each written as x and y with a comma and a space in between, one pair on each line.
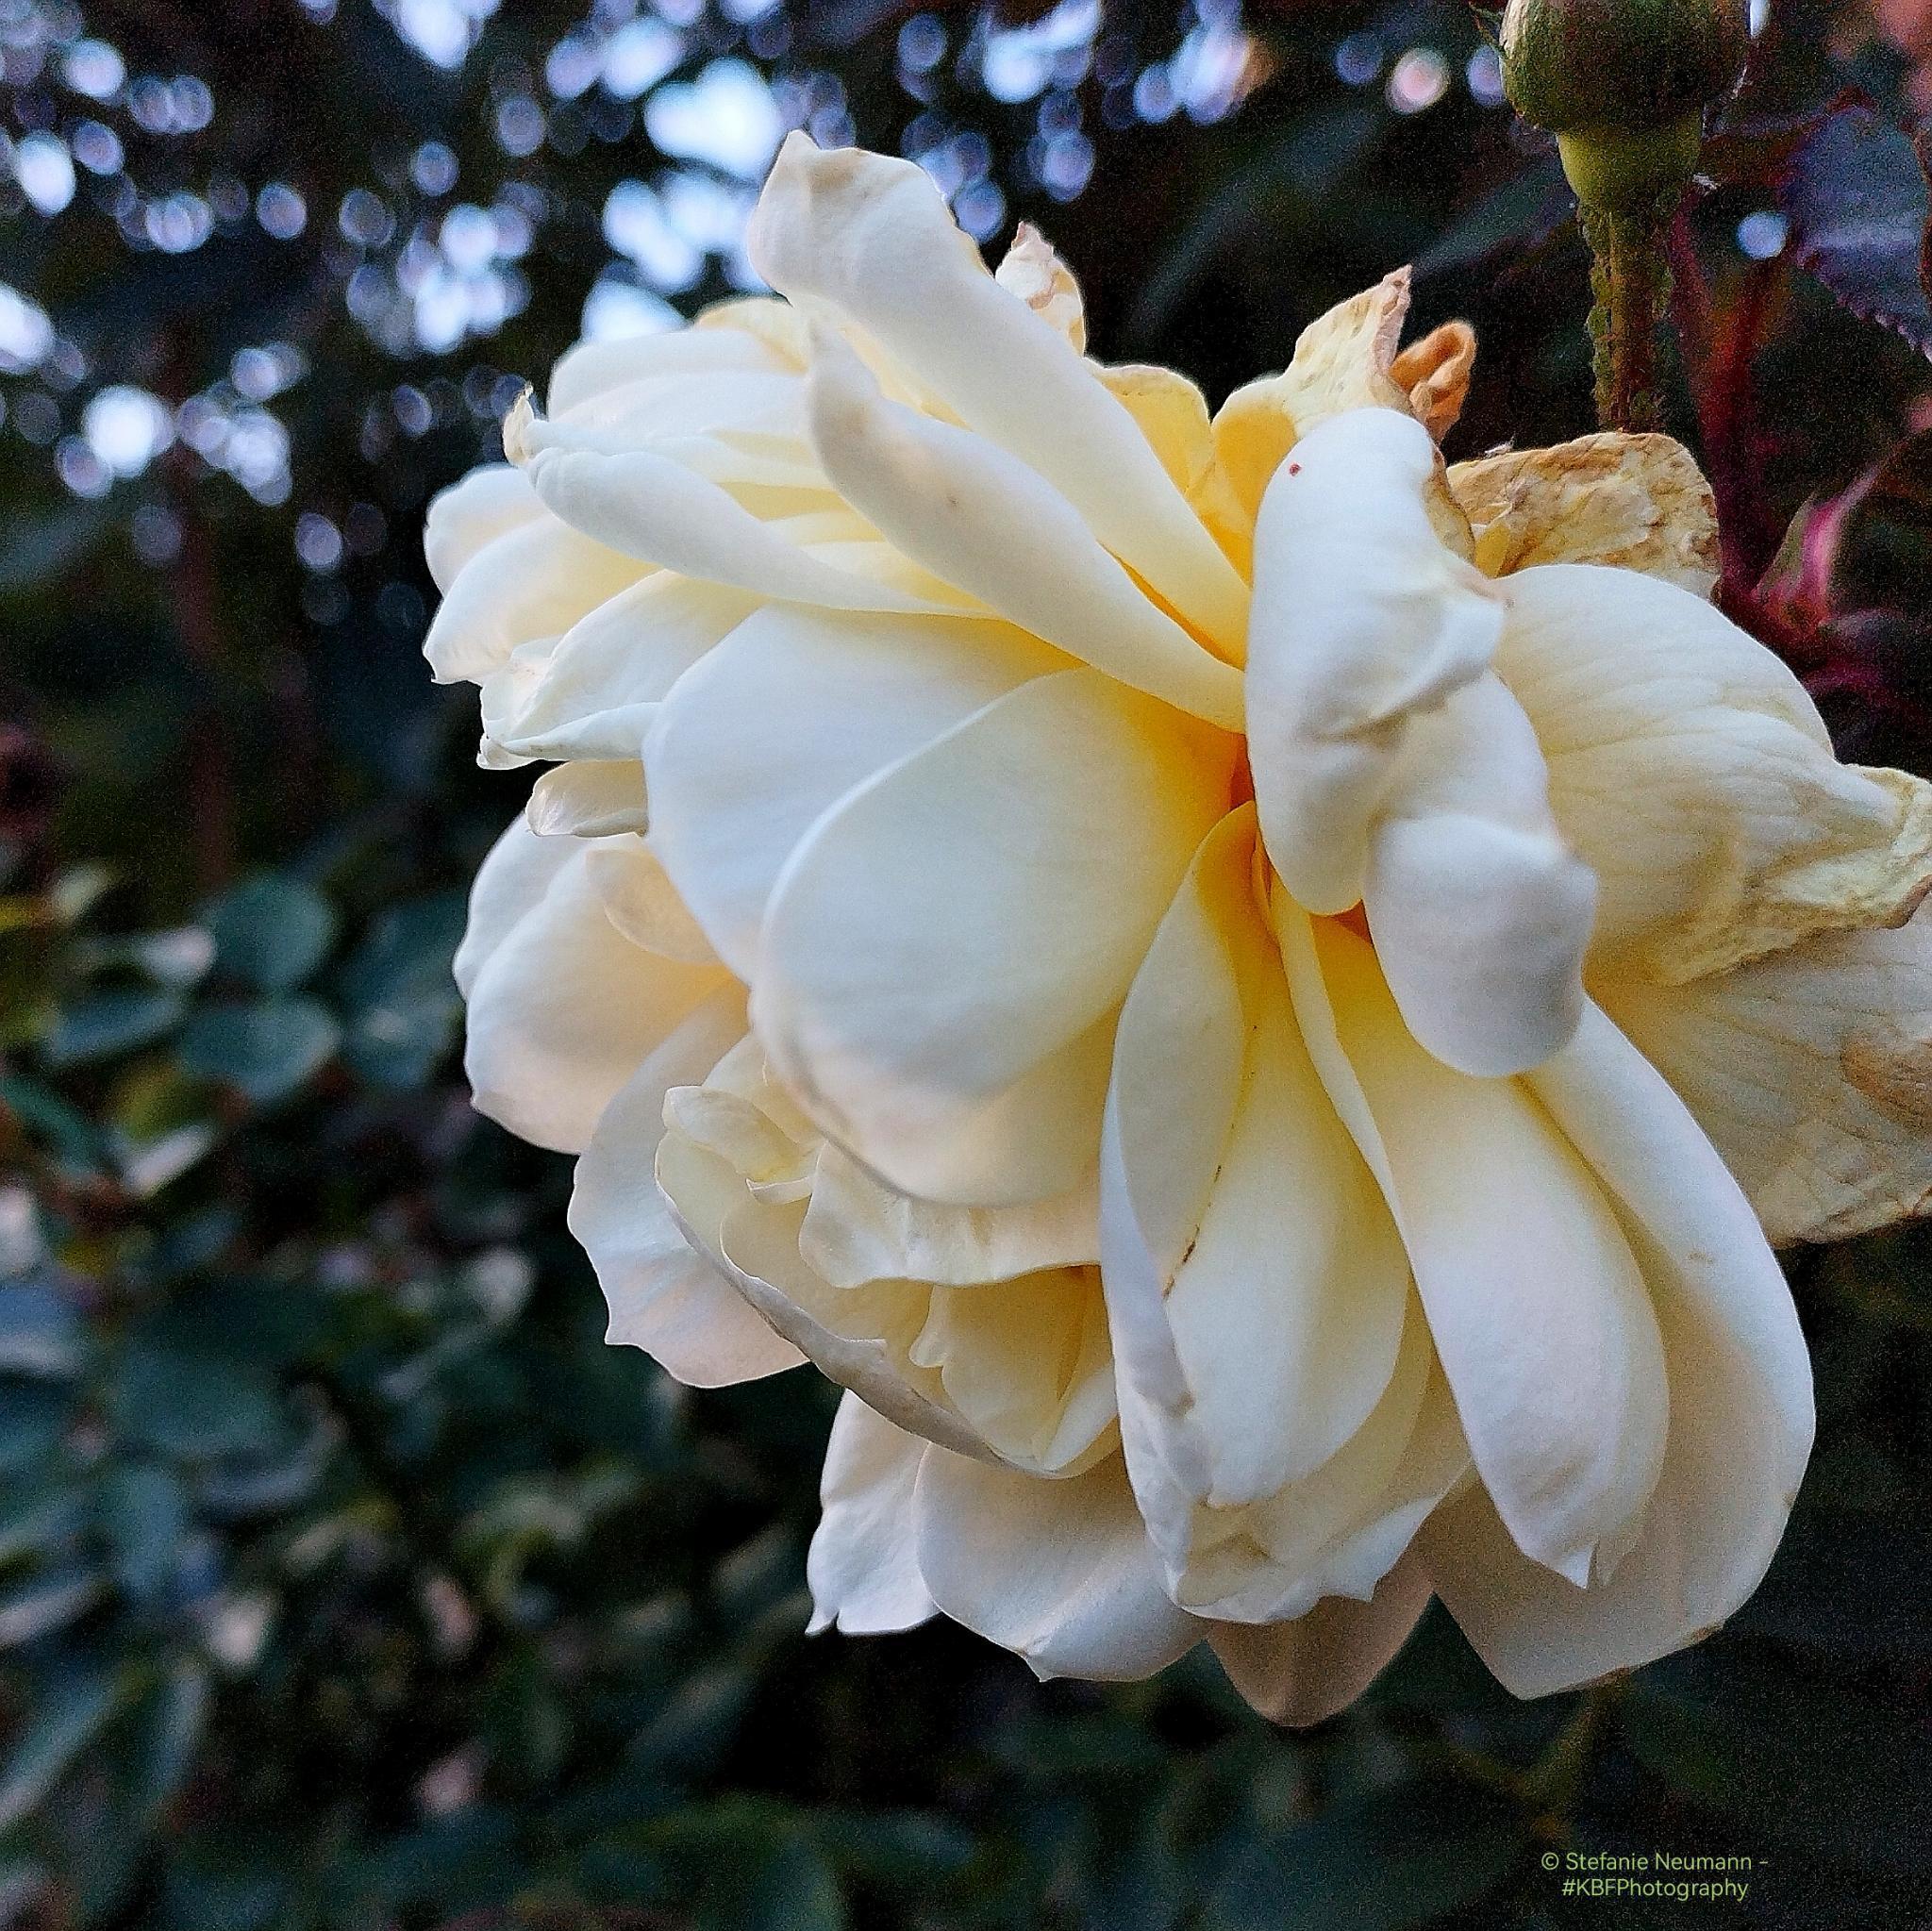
1622, 84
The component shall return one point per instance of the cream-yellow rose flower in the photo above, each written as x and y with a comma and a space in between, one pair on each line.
1258, 1000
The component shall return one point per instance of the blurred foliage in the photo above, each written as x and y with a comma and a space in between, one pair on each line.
346, 1578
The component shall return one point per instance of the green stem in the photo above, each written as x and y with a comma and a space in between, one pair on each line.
1630, 278
1553, 1781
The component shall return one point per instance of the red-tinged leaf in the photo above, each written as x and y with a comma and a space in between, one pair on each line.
1756, 150
1856, 199
1880, 556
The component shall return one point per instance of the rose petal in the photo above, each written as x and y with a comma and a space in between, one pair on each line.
1172, 415
786, 716
485, 504
1256, 1280
1537, 1303
593, 368
1740, 1419
755, 1243
1343, 360
1361, 618
863, 1563
508, 886
942, 957
595, 690
1433, 373
981, 519
870, 240
857, 1230
535, 579
1811, 1071
1014, 1372
664, 1296
562, 1008
642, 503
1481, 917
1027, 1364
1059, 1572
643, 905
1303, 1671
588, 798
1637, 502
1690, 769
1031, 269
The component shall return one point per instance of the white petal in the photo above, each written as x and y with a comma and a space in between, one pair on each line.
1811, 1071
1689, 768
1255, 1277
1031, 269
645, 505
773, 1165
870, 240
1027, 1364
593, 368
665, 412
982, 520
562, 1008
863, 1563
589, 798
1017, 1370
784, 718
595, 690
643, 903
1740, 1421
1361, 617
1537, 1303
857, 1230
510, 883
1480, 915
1338, 1531
1303, 1671
665, 1297
966, 922
859, 1339
1059, 1572
485, 504
504, 693
535, 579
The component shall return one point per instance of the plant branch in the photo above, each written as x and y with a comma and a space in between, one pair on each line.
1630, 278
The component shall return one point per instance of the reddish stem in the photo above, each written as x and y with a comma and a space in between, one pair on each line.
1718, 362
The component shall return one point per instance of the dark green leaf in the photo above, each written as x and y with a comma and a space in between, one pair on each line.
40, 1331
194, 1405
791, 1890
403, 1003
696, 1727
48, 1602
50, 1118
145, 1514
272, 930
266, 1050
73, 1712
169, 1726
1399, 1858
1761, 1744
111, 1022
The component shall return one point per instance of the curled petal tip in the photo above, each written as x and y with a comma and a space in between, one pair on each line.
519, 427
